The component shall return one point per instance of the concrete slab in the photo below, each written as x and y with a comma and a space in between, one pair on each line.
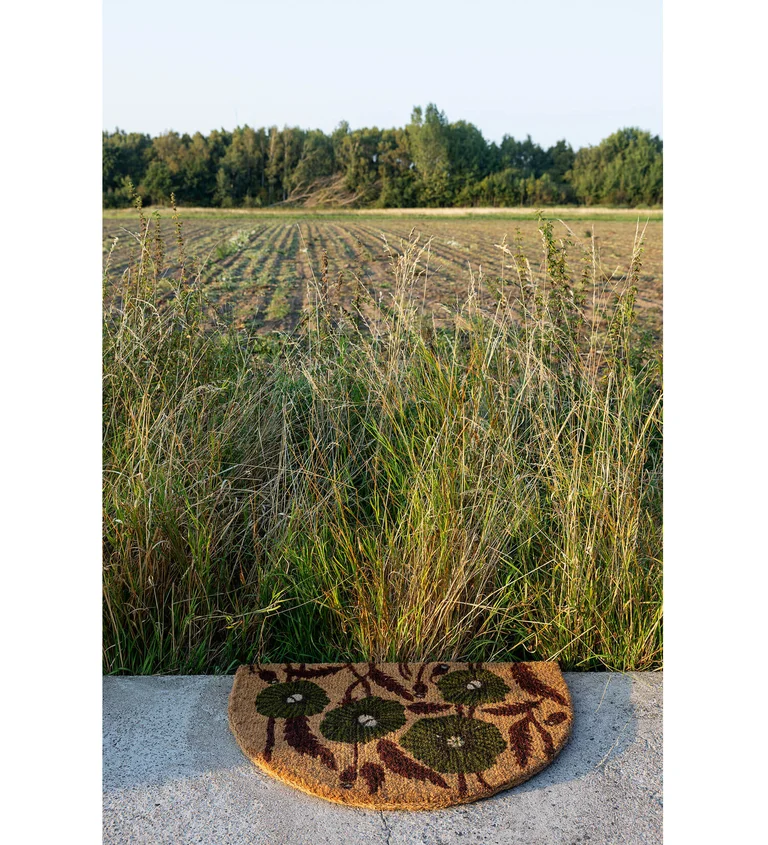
174, 774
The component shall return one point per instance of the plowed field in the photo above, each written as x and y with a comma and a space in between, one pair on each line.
256, 270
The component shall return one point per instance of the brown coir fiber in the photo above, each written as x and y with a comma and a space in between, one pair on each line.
401, 736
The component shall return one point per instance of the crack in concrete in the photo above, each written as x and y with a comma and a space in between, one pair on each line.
386, 825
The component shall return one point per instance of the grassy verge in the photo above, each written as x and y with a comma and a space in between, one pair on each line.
372, 487
583, 213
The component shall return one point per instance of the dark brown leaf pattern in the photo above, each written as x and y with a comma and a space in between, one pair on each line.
298, 735
394, 759
482, 781
420, 688
321, 672
440, 669
266, 675
270, 739
383, 680
511, 709
424, 707
528, 682
359, 680
522, 734
549, 748
520, 741
373, 774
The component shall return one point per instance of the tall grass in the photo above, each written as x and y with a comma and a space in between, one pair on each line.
378, 486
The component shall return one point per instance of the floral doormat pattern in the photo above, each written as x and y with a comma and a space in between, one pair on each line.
401, 735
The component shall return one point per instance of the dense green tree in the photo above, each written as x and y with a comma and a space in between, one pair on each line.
337, 139
317, 161
284, 154
199, 174
429, 162
165, 172
623, 170
124, 160
241, 176
428, 136
502, 188
560, 160
158, 183
468, 155
397, 173
358, 161
526, 156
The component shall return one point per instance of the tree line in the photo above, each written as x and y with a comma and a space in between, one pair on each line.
431, 162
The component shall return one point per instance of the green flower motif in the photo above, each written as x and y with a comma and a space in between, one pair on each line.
295, 698
454, 744
363, 720
472, 687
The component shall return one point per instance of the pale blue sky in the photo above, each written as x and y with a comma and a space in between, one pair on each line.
574, 69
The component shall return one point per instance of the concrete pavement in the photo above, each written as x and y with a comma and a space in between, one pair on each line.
174, 774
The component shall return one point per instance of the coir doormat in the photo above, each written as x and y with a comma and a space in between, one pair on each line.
394, 736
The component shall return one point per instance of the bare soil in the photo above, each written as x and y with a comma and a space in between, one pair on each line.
256, 269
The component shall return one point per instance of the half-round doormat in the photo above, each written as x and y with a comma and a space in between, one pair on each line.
401, 736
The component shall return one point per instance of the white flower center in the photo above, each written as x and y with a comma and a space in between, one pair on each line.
472, 685
367, 721
454, 742
295, 698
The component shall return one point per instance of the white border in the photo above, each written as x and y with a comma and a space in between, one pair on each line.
715, 431
51, 383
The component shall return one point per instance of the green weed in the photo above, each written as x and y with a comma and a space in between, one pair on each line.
376, 487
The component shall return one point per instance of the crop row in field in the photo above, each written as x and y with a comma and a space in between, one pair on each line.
256, 272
